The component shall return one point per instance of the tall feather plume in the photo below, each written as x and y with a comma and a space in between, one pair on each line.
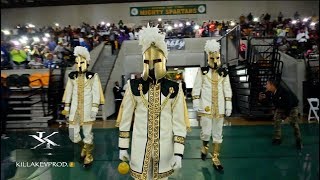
212, 46
149, 35
83, 52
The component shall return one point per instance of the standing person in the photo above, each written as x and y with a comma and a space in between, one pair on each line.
117, 96
286, 104
4, 107
211, 96
82, 97
160, 114
112, 38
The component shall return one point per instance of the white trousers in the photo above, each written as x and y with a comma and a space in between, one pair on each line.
211, 127
74, 133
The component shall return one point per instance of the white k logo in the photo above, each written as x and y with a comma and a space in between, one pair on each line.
44, 140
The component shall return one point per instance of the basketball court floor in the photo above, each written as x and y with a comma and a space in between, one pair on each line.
247, 154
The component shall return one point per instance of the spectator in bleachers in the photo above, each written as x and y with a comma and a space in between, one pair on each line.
280, 16
212, 28
84, 42
49, 61
59, 50
284, 45
44, 51
19, 57
52, 45
36, 63
302, 36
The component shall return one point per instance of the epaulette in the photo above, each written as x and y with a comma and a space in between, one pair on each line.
134, 83
73, 74
204, 70
223, 71
89, 75
166, 85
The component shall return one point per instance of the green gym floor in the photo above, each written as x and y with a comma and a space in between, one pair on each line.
247, 154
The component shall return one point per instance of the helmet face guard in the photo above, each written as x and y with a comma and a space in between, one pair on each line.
154, 63
81, 64
214, 60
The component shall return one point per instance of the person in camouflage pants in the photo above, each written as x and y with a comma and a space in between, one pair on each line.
286, 104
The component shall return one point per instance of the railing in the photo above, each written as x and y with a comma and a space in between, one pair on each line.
236, 32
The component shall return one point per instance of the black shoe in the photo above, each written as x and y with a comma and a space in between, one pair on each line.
203, 156
81, 159
87, 166
276, 141
299, 144
219, 168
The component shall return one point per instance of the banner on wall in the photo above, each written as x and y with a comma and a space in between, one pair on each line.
175, 44
168, 10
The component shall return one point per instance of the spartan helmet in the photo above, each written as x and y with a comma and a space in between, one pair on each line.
212, 49
154, 63
214, 59
81, 64
82, 58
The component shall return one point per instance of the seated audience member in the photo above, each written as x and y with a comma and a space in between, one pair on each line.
36, 63
284, 45
302, 36
59, 50
49, 61
45, 51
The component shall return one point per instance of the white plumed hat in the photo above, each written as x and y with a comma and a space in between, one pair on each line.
83, 52
212, 46
149, 35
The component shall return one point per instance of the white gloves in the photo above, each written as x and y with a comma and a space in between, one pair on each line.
228, 112
124, 156
93, 114
176, 162
196, 108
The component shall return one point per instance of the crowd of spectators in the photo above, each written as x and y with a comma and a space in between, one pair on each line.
29, 47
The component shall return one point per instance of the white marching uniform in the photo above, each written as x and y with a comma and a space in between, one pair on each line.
159, 116
212, 97
82, 96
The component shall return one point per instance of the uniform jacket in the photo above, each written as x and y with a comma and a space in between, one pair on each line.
160, 116
83, 94
284, 100
212, 92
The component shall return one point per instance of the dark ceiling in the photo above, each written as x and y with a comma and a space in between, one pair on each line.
39, 3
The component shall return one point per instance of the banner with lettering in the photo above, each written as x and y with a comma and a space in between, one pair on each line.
175, 44
168, 10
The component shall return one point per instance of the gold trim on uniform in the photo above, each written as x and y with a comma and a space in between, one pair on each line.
67, 104
79, 116
95, 105
179, 139
124, 134
81, 123
195, 97
227, 98
165, 174
156, 138
148, 104
214, 100
138, 175
210, 115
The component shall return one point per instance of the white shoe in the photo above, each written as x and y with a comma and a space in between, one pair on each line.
3, 136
